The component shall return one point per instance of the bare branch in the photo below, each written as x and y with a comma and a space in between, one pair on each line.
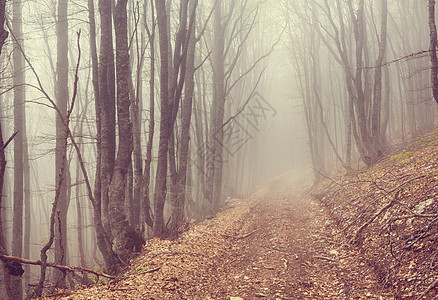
53, 265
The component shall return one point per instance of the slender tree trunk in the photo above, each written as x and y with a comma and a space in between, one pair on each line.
19, 125
27, 209
3, 35
62, 100
147, 168
215, 164
165, 126
107, 106
377, 100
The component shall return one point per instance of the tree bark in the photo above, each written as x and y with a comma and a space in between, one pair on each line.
214, 160
107, 107
186, 115
146, 206
376, 123
433, 48
19, 126
61, 101
165, 126
125, 238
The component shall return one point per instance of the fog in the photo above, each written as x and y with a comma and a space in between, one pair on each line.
255, 89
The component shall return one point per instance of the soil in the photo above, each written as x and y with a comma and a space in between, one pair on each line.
276, 244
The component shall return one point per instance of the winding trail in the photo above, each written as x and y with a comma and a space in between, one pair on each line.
273, 245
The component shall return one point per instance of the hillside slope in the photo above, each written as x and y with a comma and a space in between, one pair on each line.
390, 214
369, 235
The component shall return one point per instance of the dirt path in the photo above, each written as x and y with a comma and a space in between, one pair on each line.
274, 245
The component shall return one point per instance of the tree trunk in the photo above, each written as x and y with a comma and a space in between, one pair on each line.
215, 161
19, 125
107, 107
165, 126
62, 100
3, 35
147, 168
432, 48
186, 115
125, 238
376, 123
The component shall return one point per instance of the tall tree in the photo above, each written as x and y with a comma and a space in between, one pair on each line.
146, 206
107, 106
3, 36
62, 95
125, 238
103, 238
186, 116
171, 84
19, 127
215, 155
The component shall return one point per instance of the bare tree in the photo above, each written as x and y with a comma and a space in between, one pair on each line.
172, 79
62, 100
125, 238
19, 126
146, 207
186, 115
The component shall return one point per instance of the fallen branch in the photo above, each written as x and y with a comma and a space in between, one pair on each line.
150, 271
383, 209
59, 267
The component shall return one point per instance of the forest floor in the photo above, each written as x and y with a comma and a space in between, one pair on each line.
369, 235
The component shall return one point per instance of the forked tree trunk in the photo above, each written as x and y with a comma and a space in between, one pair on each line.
125, 238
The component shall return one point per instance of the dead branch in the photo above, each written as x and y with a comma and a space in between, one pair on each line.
150, 271
53, 265
415, 55
383, 209
9, 140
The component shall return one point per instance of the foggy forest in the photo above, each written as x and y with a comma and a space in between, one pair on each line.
218, 149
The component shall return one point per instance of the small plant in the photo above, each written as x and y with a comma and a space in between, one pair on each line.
142, 268
404, 157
